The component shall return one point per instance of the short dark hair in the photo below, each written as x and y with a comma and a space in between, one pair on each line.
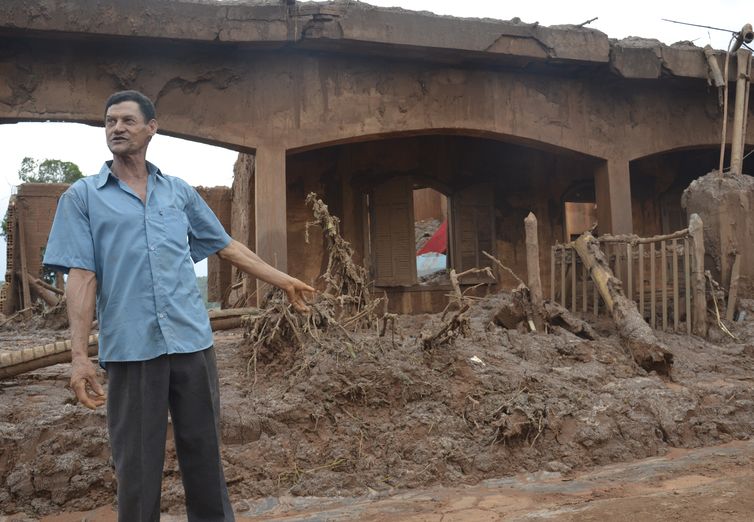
145, 104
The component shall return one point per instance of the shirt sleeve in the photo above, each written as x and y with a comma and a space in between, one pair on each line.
70, 244
206, 234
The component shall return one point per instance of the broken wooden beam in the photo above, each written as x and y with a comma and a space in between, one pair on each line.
636, 334
40, 289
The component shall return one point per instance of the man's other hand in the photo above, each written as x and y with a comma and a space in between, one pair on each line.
85, 384
295, 291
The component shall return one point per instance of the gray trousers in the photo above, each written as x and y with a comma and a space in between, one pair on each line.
139, 397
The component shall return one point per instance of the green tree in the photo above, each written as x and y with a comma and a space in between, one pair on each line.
48, 171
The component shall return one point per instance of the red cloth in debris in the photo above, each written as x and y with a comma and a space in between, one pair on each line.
438, 242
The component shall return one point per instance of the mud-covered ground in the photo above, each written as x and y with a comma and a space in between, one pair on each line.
369, 414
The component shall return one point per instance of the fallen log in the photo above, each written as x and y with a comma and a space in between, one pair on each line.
636, 334
22, 361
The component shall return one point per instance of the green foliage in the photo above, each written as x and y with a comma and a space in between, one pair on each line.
48, 171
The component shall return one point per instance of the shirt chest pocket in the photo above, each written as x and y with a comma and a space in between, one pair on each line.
175, 224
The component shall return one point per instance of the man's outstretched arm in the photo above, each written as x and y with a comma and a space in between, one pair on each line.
247, 261
80, 295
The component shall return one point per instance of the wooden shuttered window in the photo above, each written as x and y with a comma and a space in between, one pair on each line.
472, 230
392, 231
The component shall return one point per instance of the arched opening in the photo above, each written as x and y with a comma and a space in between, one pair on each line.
482, 188
658, 182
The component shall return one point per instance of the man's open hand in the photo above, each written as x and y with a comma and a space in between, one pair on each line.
296, 291
85, 384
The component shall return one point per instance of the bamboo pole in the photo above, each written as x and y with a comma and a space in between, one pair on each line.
676, 301
563, 276
584, 296
739, 117
664, 277
573, 281
652, 286
630, 270
696, 230
636, 240
21, 361
687, 285
552, 274
641, 279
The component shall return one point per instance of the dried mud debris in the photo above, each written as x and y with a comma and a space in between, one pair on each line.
355, 412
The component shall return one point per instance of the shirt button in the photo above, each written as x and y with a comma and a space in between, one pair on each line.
161, 315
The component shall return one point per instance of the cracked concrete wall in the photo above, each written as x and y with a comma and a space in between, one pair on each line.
245, 99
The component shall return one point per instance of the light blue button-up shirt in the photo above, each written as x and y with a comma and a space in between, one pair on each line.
148, 302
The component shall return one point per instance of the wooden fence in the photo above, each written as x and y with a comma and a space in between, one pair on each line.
656, 272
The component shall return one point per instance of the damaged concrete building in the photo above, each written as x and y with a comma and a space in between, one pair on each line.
372, 108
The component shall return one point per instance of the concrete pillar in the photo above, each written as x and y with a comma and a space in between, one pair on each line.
612, 184
270, 209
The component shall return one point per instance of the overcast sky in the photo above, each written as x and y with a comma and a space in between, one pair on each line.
204, 165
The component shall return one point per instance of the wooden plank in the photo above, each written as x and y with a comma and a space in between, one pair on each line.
630, 271
584, 296
664, 277
242, 205
552, 274
617, 250
676, 300
270, 210
563, 276
573, 280
641, 279
735, 275
687, 285
21, 246
652, 287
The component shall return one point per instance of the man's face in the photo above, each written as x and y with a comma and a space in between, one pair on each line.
126, 131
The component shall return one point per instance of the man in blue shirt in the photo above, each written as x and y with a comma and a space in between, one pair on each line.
128, 238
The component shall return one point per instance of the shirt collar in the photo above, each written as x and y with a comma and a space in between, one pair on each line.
104, 173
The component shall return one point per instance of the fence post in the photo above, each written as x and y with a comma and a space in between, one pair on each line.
532, 266
696, 230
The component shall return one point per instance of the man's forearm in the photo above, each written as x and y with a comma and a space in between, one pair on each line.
81, 295
247, 261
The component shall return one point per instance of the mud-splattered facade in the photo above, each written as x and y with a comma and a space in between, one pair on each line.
363, 105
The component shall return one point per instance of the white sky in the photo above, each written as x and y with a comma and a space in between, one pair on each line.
205, 165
